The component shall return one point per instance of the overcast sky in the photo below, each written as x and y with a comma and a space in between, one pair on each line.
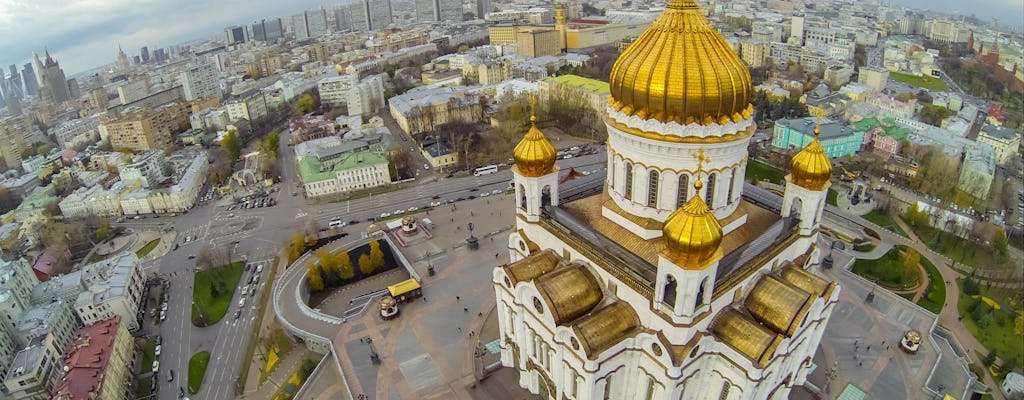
83, 34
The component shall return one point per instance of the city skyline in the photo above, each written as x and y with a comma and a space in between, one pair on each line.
89, 33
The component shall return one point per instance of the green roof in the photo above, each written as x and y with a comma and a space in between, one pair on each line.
312, 170
592, 85
888, 125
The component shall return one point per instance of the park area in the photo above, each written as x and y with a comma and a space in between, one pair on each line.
197, 370
897, 269
213, 291
995, 316
145, 250
758, 171
883, 220
927, 82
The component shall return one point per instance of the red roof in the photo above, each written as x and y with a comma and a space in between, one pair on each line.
86, 361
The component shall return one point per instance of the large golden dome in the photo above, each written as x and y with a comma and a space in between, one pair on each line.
811, 167
534, 155
692, 233
681, 70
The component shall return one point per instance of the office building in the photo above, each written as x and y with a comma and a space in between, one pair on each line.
310, 24
146, 169
483, 7
144, 54
1005, 141
200, 82
267, 30
54, 83
34, 370
13, 131
439, 10
235, 35
133, 90
673, 283
31, 82
146, 128
369, 15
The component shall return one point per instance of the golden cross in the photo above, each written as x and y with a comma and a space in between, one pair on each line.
533, 104
701, 159
817, 127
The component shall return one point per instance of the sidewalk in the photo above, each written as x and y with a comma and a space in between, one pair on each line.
269, 320
279, 377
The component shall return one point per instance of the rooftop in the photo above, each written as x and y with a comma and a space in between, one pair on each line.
999, 132
888, 126
86, 361
806, 126
591, 85
312, 170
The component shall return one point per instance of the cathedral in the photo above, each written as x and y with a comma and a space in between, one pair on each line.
678, 280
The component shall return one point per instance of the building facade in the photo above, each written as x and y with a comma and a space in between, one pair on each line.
424, 109
1005, 141
837, 139
146, 129
34, 370
344, 173
643, 292
200, 81
97, 364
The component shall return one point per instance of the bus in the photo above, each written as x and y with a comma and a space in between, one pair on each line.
405, 290
490, 169
336, 223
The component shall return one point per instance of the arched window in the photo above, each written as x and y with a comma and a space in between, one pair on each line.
732, 184
699, 301
724, 394
683, 189
652, 188
709, 197
627, 191
522, 197
545, 196
669, 297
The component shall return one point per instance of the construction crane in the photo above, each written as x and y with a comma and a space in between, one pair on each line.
849, 176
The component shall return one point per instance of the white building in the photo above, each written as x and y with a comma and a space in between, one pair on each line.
112, 287
292, 85
133, 90
75, 132
248, 106
347, 166
34, 369
200, 81
54, 318
1005, 141
367, 97
674, 283
147, 169
182, 195
334, 90
136, 202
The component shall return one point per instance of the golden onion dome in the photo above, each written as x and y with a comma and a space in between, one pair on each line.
811, 167
682, 70
692, 233
534, 155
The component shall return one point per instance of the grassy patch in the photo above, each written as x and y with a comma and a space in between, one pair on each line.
830, 197
279, 347
888, 270
148, 350
274, 334
884, 220
147, 248
142, 387
872, 233
934, 297
927, 82
993, 328
295, 381
864, 247
760, 171
197, 370
213, 291
957, 249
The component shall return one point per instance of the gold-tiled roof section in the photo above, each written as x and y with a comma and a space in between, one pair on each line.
605, 327
750, 338
570, 291
532, 266
777, 304
803, 279
682, 70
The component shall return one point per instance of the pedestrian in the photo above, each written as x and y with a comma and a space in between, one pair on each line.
460, 329
457, 298
424, 299
464, 309
471, 333
495, 255
480, 314
869, 348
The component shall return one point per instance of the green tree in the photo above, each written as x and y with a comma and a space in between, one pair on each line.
989, 358
910, 261
316, 281
933, 115
344, 263
328, 262
305, 104
999, 241
376, 255
296, 247
232, 145
270, 144
43, 149
365, 266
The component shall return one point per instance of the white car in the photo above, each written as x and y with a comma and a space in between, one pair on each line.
156, 366
385, 214
163, 307
241, 302
163, 315
411, 209
245, 290
259, 268
496, 191
156, 351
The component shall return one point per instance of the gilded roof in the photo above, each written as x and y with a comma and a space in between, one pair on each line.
811, 168
682, 70
750, 338
534, 155
570, 291
803, 279
534, 265
692, 233
778, 305
605, 327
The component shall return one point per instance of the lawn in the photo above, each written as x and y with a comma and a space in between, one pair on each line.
998, 335
884, 220
148, 349
957, 249
927, 82
213, 291
143, 386
763, 172
295, 381
830, 198
934, 297
196, 371
888, 270
147, 248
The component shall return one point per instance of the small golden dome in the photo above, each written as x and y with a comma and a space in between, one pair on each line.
534, 155
682, 70
605, 327
778, 305
811, 167
570, 291
750, 338
692, 233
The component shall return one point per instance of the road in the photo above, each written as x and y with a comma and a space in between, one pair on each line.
260, 233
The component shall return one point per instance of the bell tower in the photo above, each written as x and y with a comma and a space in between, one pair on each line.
807, 185
535, 174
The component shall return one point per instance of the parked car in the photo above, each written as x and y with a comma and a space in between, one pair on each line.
238, 314
156, 366
170, 375
156, 351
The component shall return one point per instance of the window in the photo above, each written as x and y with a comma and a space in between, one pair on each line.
732, 184
724, 395
699, 301
709, 197
684, 189
669, 297
628, 182
652, 188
